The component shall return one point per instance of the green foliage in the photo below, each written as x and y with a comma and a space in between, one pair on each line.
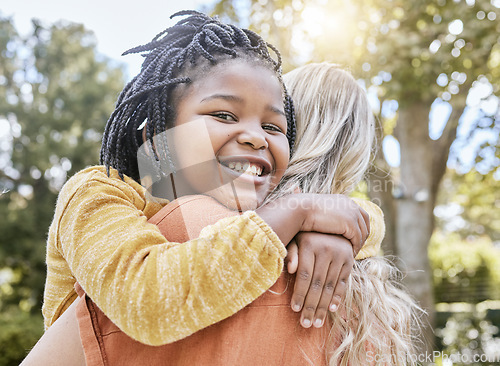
469, 204
469, 336
417, 41
19, 331
56, 94
227, 9
464, 270
273, 20
400, 49
388, 36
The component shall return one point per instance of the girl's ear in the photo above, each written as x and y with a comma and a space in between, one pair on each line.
144, 133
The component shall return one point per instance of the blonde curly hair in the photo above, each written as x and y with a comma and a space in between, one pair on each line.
378, 320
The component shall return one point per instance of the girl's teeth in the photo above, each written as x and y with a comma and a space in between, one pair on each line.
245, 168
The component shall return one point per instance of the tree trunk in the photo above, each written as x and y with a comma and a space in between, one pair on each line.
415, 220
380, 188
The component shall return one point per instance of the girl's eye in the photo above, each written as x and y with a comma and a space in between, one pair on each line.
271, 127
224, 116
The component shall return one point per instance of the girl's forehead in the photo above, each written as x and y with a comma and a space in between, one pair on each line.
241, 78
243, 66
233, 77
229, 72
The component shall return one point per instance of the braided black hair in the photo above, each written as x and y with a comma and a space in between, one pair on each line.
149, 95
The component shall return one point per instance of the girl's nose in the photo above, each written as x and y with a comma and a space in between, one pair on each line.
255, 137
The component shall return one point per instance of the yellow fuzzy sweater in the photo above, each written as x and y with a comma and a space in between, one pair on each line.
154, 290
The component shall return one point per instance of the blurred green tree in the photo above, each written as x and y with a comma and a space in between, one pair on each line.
56, 93
469, 204
427, 65
468, 339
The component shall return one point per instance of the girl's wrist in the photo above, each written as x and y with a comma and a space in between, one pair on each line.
301, 204
303, 207
286, 215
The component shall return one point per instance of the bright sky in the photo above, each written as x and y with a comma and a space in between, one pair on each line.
117, 24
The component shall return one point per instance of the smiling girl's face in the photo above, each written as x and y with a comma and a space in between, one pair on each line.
229, 137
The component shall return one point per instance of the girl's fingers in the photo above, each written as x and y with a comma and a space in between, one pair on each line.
292, 257
316, 289
324, 265
366, 223
303, 279
366, 219
326, 300
364, 234
341, 286
355, 236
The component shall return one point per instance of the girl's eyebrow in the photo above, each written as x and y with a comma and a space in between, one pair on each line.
275, 110
228, 97
234, 98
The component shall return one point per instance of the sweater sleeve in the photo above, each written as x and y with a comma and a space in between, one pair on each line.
155, 291
377, 229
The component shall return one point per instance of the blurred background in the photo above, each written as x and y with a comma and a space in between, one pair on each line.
432, 72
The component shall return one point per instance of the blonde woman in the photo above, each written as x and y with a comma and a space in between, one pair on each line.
376, 319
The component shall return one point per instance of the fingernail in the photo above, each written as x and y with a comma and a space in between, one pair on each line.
333, 308
296, 307
306, 323
318, 323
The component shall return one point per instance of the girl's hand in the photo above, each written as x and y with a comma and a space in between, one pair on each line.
322, 213
323, 264
338, 214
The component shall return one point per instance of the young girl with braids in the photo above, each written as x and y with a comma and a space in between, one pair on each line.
159, 291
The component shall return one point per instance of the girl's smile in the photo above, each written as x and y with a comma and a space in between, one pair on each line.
229, 137
248, 165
